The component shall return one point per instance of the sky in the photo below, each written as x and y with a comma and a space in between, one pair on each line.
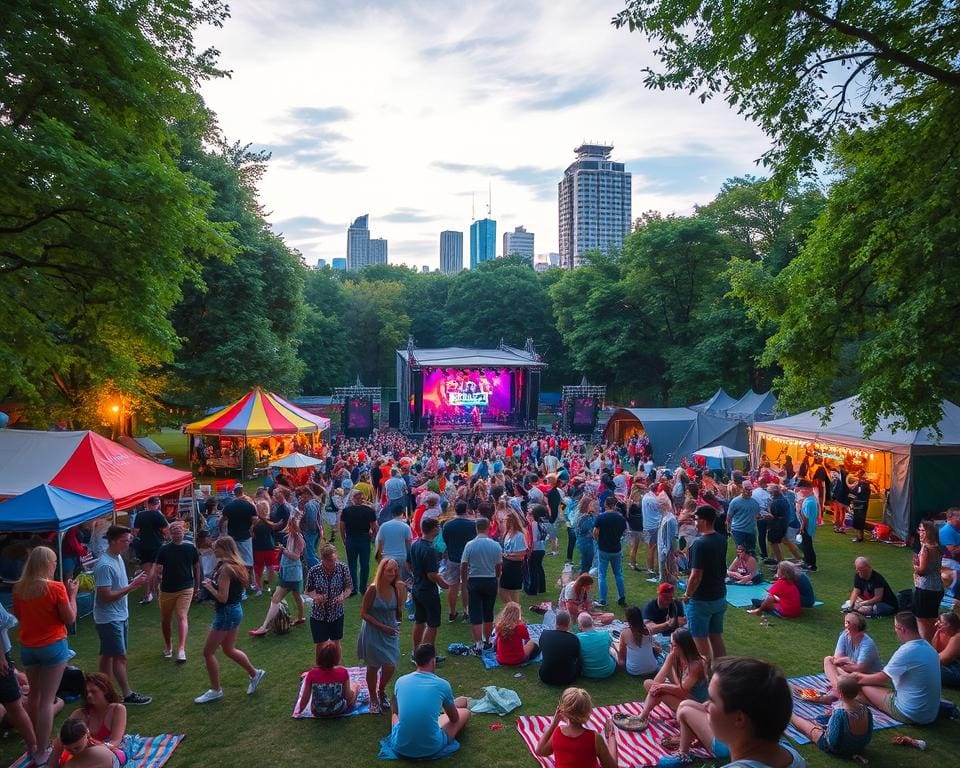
411, 111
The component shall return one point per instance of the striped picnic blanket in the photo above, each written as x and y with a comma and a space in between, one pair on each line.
358, 682
809, 711
149, 752
634, 749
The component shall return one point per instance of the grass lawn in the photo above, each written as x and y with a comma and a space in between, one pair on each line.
242, 730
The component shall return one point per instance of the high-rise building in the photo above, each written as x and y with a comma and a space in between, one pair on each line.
339, 262
594, 200
520, 242
451, 252
321, 264
361, 250
483, 242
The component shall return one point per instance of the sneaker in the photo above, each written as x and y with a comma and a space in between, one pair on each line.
770, 561
440, 659
146, 599
210, 695
181, 657
452, 617
651, 572
675, 761
136, 699
599, 603
622, 602
168, 653
258, 593
255, 681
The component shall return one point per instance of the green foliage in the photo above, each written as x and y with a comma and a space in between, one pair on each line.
376, 315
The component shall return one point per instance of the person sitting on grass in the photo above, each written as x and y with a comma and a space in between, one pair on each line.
744, 569
327, 687
81, 750
682, 676
946, 642
855, 652
514, 645
808, 597
783, 597
694, 719
595, 659
871, 595
571, 742
103, 713
575, 599
637, 651
847, 730
560, 650
417, 731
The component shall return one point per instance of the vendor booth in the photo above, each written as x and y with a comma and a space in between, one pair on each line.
260, 421
917, 471
675, 433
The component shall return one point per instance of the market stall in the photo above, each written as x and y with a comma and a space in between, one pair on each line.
913, 472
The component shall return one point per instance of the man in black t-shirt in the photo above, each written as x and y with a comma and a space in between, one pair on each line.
358, 527
561, 653
237, 522
871, 595
424, 562
608, 531
456, 534
706, 593
150, 529
179, 565
664, 614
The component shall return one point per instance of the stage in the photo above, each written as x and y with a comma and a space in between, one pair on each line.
457, 390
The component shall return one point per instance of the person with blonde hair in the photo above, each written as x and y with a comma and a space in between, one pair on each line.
264, 550
514, 553
226, 586
291, 576
378, 644
571, 742
44, 607
514, 645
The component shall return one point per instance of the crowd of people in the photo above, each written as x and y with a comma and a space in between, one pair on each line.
475, 518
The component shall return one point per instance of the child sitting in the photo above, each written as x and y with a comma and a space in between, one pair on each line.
514, 645
847, 730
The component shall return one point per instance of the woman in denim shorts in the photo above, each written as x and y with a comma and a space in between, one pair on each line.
44, 607
230, 578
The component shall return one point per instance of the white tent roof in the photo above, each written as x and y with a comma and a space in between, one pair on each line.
463, 357
29, 459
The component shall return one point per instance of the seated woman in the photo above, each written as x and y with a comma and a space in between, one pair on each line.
744, 569
849, 728
946, 639
575, 599
683, 676
327, 686
855, 653
514, 645
783, 597
81, 750
102, 712
807, 596
571, 742
637, 651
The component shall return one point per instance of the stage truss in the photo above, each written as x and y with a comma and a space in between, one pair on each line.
584, 389
358, 390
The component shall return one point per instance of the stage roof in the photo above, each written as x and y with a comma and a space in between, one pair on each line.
462, 357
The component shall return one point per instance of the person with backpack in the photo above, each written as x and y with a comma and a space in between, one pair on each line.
291, 579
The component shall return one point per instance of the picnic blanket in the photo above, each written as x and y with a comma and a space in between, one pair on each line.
489, 657
809, 711
634, 749
358, 682
741, 596
148, 752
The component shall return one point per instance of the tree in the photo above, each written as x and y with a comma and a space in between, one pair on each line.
376, 315
99, 228
324, 341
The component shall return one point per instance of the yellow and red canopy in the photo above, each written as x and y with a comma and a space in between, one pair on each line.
259, 414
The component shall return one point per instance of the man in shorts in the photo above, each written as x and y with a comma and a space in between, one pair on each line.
425, 564
237, 521
150, 528
110, 611
178, 563
456, 534
480, 569
651, 512
706, 592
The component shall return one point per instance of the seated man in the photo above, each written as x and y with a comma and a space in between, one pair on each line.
418, 698
561, 653
871, 595
664, 614
595, 659
914, 674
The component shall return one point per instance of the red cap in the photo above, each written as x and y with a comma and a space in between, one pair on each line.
664, 588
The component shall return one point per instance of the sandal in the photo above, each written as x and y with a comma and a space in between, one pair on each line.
670, 743
258, 632
384, 700
299, 621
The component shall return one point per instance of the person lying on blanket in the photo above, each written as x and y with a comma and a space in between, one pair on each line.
102, 712
846, 731
81, 750
327, 686
683, 676
571, 742
783, 597
514, 645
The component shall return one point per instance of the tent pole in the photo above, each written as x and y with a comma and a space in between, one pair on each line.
60, 553
193, 506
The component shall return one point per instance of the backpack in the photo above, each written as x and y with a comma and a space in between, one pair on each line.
281, 623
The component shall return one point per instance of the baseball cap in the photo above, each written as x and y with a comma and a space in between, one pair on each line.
747, 485
664, 588
238, 487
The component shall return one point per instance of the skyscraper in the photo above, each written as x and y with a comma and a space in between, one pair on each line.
451, 252
594, 198
520, 242
338, 262
361, 250
483, 242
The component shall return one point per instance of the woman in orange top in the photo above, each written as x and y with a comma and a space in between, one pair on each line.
44, 607
572, 743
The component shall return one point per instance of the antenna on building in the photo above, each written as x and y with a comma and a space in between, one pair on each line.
489, 199
473, 206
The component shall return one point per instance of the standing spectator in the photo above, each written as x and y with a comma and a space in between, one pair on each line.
514, 553
237, 522
608, 532
480, 569
808, 513
378, 644
635, 523
44, 607
265, 553
328, 585
569, 739
950, 539
762, 496
310, 526
395, 489
927, 581
110, 611
291, 577
230, 579
859, 502
150, 529
538, 531
456, 534
871, 595
394, 539
358, 526
667, 536
706, 592
425, 564
778, 517
584, 525
743, 513
650, 511
178, 563
561, 653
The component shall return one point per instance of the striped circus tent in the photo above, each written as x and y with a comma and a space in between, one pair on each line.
259, 414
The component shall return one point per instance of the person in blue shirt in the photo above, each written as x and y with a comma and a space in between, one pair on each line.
808, 513
855, 652
417, 731
847, 729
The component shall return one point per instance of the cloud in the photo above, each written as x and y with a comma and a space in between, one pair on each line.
542, 181
307, 141
408, 216
316, 115
486, 45
562, 98
682, 172
303, 227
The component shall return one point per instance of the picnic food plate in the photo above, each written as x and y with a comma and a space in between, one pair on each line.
627, 722
808, 694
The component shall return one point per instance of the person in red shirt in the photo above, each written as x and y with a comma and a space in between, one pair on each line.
783, 597
571, 742
514, 646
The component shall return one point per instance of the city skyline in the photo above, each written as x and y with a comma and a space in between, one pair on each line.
447, 99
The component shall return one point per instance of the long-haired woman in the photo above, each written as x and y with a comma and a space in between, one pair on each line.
103, 712
264, 550
514, 645
44, 607
378, 644
683, 676
575, 599
291, 577
514, 553
927, 581
637, 651
226, 587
